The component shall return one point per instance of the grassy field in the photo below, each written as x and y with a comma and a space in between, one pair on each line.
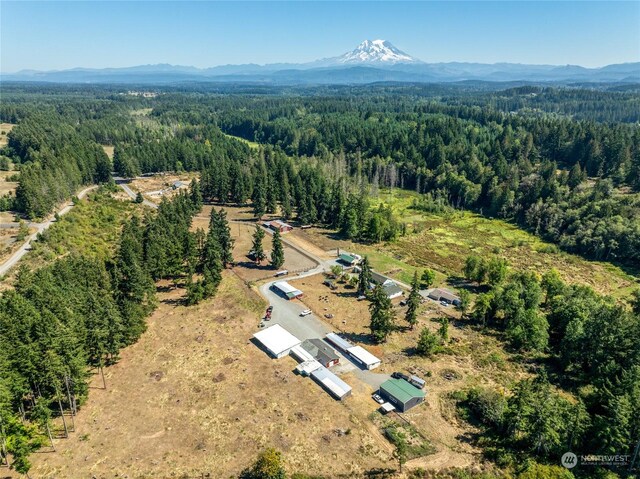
5, 128
252, 144
91, 228
7, 186
442, 242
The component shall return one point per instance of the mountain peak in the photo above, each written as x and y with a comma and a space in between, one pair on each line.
376, 52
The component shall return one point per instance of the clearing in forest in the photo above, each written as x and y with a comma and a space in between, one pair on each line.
195, 396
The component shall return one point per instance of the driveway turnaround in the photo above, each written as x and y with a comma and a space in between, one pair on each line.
287, 314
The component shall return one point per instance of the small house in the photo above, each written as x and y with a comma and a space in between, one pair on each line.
392, 290
401, 394
321, 352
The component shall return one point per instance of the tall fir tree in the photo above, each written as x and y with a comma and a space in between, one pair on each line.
364, 277
257, 249
413, 301
277, 251
382, 316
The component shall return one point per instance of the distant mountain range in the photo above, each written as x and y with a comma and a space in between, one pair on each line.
371, 61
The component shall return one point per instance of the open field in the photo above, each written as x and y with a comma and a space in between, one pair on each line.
5, 128
194, 396
8, 241
243, 236
442, 242
108, 150
159, 186
7, 186
252, 144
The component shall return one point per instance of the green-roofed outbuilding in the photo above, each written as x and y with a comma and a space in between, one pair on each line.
401, 394
349, 259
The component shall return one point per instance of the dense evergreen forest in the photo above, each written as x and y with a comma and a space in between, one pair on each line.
561, 162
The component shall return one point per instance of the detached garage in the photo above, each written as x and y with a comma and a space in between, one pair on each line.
277, 340
401, 394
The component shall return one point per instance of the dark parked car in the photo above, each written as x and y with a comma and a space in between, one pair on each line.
398, 375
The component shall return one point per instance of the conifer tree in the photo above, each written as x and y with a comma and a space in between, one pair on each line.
413, 301
256, 247
364, 277
382, 316
219, 225
277, 251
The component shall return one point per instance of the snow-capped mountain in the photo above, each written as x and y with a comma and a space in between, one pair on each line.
371, 61
376, 52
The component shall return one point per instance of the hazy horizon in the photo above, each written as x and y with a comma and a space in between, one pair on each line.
94, 35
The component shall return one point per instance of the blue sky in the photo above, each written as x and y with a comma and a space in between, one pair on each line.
59, 35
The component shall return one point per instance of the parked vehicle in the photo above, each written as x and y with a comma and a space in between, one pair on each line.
377, 398
284, 272
306, 312
403, 302
444, 303
329, 283
397, 375
417, 382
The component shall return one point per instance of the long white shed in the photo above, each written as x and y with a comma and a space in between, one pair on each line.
364, 357
277, 340
332, 383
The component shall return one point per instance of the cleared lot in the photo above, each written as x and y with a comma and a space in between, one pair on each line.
195, 396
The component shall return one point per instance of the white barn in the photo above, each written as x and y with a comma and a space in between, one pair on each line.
277, 340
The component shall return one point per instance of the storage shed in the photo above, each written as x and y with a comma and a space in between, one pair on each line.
321, 352
277, 340
278, 225
349, 259
363, 357
401, 394
340, 343
331, 383
441, 294
286, 290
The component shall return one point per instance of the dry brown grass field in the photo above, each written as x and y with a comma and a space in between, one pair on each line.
5, 128
194, 396
7, 186
470, 358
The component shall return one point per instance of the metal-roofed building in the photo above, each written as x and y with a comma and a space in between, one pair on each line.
331, 383
401, 394
321, 352
392, 290
278, 225
349, 259
286, 290
277, 340
441, 294
363, 357
340, 343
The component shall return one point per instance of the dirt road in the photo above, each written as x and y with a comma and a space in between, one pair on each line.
20, 252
